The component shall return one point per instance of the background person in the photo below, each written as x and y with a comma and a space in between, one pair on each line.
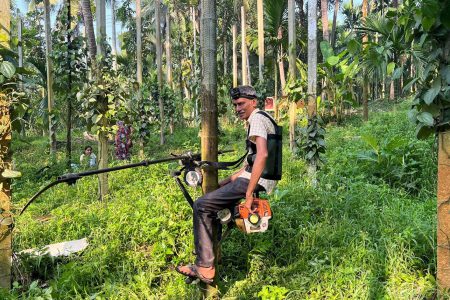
123, 141
88, 158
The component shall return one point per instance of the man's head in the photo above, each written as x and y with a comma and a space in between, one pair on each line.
244, 100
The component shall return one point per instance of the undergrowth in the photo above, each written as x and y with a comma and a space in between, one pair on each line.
355, 236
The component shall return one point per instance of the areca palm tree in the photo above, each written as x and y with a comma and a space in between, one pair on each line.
5, 160
159, 66
48, 51
324, 15
260, 12
276, 19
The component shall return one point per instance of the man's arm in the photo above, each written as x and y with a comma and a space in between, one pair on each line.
257, 169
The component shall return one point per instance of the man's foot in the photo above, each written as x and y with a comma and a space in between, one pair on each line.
186, 270
204, 274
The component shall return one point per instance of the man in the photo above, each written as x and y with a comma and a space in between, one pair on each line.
253, 177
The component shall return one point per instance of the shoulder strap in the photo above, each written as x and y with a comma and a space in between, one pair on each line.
261, 112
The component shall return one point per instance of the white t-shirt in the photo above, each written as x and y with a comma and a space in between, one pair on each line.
261, 126
92, 160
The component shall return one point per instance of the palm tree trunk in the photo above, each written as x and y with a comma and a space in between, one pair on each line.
5, 160
225, 44
235, 64
169, 62
209, 125
89, 29
159, 65
168, 50
365, 96
69, 94
281, 69
260, 12
312, 58
101, 99
275, 97
20, 49
292, 71
324, 15
113, 33
100, 15
333, 30
244, 47
194, 60
312, 75
49, 65
139, 65
139, 42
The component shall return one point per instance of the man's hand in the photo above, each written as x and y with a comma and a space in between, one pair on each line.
248, 203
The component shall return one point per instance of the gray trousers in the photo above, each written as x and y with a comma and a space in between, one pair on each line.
205, 216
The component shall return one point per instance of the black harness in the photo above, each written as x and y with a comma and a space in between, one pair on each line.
273, 166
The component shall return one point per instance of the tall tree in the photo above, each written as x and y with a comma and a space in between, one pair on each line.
5, 159
292, 70
89, 29
365, 95
312, 57
312, 76
113, 33
69, 83
194, 56
392, 86
168, 49
260, 12
209, 123
244, 46
100, 13
159, 66
139, 64
20, 48
49, 66
324, 15
235, 62
333, 29
168, 46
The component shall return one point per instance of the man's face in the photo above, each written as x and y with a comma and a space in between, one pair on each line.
244, 107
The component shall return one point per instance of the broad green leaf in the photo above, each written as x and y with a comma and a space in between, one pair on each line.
427, 23
326, 49
371, 140
409, 84
412, 115
396, 143
397, 73
433, 109
433, 91
7, 69
423, 132
425, 118
390, 68
332, 60
353, 46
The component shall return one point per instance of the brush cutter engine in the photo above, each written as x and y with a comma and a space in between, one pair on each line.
246, 221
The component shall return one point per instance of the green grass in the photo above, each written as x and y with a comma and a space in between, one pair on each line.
355, 236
